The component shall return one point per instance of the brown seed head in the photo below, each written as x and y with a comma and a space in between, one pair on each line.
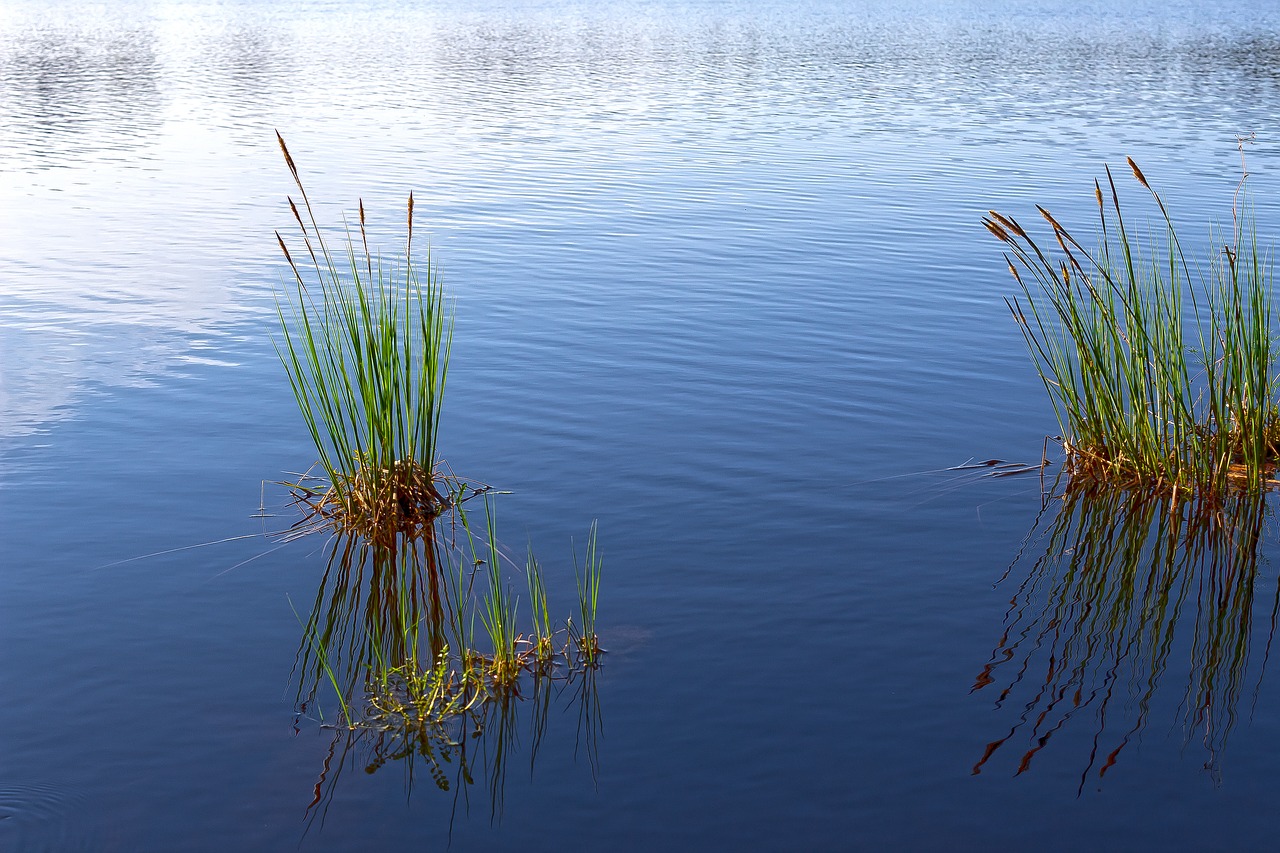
1013, 271
1050, 219
287, 159
1008, 223
284, 248
1137, 173
296, 215
1000, 233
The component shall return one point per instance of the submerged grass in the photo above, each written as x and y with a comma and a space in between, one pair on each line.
366, 345
1162, 374
393, 636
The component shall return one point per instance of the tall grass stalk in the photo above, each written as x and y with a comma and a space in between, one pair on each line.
1162, 374
366, 345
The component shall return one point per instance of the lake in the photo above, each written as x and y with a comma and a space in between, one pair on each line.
721, 283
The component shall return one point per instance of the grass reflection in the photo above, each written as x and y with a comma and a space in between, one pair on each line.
460, 751
391, 641
1130, 591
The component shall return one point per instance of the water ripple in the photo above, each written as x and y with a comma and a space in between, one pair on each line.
39, 817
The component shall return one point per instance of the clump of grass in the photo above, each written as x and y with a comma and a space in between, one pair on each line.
418, 696
1162, 374
366, 346
498, 614
543, 644
585, 637
387, 614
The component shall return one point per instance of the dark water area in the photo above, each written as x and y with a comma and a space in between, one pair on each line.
721, 284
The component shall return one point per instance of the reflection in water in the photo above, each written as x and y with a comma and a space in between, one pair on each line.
476, 746
133, 137
392, 642
71, 94
1130, 592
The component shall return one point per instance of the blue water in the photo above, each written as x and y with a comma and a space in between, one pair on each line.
720, 283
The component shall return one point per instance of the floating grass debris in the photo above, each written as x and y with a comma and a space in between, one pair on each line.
366, 345
1162, 373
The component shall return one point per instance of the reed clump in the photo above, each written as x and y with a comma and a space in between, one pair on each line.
366, 345
585, 637
393, 631
1161, 372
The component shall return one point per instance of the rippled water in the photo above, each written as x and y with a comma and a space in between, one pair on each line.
720, 283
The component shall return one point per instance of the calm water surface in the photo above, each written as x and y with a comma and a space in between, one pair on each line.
720, 283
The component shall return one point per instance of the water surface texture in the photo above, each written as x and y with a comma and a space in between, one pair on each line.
721, 283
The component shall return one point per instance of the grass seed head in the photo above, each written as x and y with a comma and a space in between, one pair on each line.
1137, 173
287, 159
1013, 270
294, 208
1009, 223
1049, 218
284, 249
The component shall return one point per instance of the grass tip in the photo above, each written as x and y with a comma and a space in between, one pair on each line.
1137, 173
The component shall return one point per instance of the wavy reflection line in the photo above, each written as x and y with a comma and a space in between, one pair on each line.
1126, 584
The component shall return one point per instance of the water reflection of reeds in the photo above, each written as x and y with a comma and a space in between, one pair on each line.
467, 749
390, 642
371, 607
1129, 592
